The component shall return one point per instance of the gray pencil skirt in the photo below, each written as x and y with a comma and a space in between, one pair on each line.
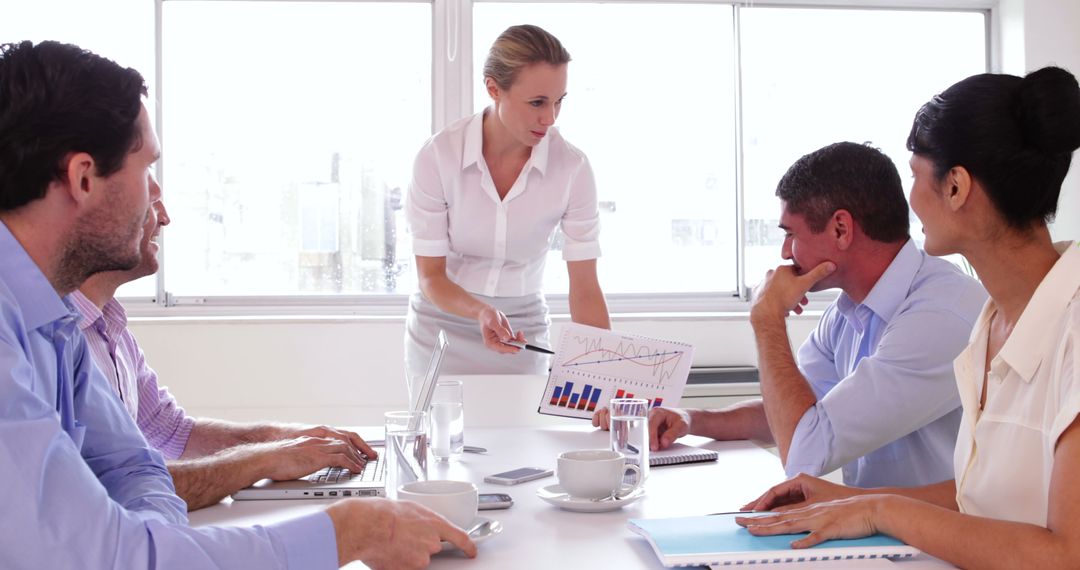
467, 353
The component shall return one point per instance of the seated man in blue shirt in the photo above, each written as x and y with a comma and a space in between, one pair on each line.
872, 391
83, 490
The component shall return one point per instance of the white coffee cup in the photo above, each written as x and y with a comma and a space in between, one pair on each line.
595, 473
454, 500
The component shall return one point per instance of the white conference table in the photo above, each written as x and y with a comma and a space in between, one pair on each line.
538, 535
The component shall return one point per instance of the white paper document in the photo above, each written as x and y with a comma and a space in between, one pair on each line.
591, 366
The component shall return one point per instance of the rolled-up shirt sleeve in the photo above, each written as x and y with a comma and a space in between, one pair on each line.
1069, 372
907, 383
581, 221
161, 419
426, 207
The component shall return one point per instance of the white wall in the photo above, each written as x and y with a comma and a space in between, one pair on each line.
1037, 33
347, 370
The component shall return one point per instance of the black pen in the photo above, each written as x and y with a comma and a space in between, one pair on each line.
527, 346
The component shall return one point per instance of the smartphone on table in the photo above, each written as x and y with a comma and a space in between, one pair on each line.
520, 475
490, 501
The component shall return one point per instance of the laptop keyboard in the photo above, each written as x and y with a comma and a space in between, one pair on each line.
372, 472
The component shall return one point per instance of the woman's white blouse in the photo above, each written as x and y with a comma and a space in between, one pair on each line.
1005, 453
498, 247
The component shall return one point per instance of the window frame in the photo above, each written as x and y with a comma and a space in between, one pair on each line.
452, 97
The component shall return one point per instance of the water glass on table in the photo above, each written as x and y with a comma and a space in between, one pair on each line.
630, 434
405, 456
447, 420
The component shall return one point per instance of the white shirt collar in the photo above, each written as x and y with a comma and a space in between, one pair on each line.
1028, 344
473, 149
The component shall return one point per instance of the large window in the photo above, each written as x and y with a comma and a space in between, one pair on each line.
123, 31
650, 101
289, 132
289, 127
811, 77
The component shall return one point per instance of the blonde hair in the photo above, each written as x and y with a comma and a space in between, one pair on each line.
519, 47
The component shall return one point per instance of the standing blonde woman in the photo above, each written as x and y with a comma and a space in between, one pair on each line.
487, 195
989, 157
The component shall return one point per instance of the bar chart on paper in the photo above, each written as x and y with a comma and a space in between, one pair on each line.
592, 366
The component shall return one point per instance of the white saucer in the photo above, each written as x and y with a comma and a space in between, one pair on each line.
555, 495
493, 527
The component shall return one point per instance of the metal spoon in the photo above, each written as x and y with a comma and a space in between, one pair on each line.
480, 530
475, 530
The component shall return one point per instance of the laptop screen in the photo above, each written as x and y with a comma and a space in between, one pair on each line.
431, 378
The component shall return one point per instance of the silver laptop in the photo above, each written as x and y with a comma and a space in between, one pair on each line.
337, 482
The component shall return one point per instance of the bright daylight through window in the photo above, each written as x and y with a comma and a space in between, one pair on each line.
288, 145
122, 31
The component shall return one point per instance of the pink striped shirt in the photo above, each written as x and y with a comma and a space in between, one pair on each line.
163, 422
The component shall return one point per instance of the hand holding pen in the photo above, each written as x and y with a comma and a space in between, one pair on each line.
496, 331
500, 337
524, 345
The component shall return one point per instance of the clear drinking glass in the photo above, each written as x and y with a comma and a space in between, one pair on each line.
630, 433
447, 420
406, 450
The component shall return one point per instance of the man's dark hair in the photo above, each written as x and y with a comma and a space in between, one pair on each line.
854, 177
1015, 135
57, 99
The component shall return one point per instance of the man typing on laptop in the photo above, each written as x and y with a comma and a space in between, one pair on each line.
208, 459
83, 488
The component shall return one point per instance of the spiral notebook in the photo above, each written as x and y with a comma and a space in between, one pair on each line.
679, 453
717, 541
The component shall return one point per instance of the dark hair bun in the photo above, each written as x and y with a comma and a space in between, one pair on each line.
1048, 111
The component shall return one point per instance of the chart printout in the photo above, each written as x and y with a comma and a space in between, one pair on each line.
591, 366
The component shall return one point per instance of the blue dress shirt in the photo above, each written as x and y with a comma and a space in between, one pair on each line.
82, 489
888, 409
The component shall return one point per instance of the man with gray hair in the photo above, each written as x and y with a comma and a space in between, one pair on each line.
872, 391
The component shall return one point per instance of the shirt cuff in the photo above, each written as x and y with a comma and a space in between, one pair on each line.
176, 444
811, 444
431, 247
580, 251
307, 541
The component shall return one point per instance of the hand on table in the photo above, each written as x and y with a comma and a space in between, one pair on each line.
665, 425
798, 492
602, 419
392, 534
845, 518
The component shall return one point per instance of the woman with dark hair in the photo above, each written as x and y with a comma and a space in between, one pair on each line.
487, 194
988, 156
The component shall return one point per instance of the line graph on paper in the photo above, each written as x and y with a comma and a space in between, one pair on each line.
624, 357
592, 366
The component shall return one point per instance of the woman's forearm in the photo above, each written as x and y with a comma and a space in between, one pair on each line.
942, 494
587, 303
444, 293
451, 298
973, 542
590, 308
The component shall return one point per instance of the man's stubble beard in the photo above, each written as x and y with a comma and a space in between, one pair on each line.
99, 241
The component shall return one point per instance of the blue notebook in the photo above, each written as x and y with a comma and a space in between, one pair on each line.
716, 540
